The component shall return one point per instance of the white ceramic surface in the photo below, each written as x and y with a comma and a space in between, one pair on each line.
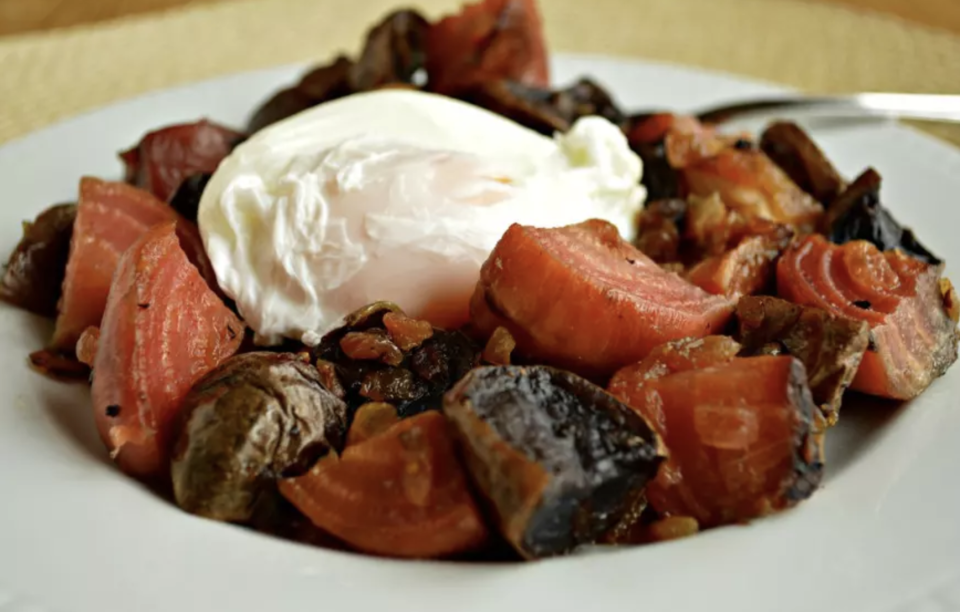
77, 536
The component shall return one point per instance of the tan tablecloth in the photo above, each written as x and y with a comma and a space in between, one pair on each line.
49, 76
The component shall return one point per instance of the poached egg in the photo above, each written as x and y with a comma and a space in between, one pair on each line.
395, 195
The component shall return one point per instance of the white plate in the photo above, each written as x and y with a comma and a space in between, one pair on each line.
77, 536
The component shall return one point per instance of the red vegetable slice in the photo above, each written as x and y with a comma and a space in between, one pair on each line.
582, 298
401, 493
163, 329
914, 340
744, 437
165, 157
110, 217
487, 41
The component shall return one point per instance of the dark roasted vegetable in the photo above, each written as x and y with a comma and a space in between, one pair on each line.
256, 418
793, 150
186, 200
830, 347
381, 355
35, 270
393, 53
558, 459
541, 109
658, 230
401, 493
321, 84
858, 214
165, 157
487, 41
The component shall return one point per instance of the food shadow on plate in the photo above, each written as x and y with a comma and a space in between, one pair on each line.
862, 420
70, 415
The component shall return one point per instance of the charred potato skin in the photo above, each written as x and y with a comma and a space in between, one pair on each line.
256, 418
808, 463
558, 480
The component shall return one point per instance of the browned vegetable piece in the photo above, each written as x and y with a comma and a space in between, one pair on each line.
164, 158
402, 493
830, 347
544, 110
407, 333
499, 346
371, 419
392, 384
319, 85
56, 364
257, 417
558, 459
673, 528
747, 268
658, 233
87, 345
373, 345
795, 152
35, 270
393, 52
655, 530
951, 303
329, 378
381, 355
858, 214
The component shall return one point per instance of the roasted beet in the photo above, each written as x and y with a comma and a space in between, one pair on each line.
487, 41
558, 459
255, 418
581, 298
393, 53
858, 214
913, 339
34, 273
401, 493
744, 437
321, 84
795, 152
165, 157
186, 200
830, 347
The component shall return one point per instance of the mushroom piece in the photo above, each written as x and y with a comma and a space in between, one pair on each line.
257, 417
559, 460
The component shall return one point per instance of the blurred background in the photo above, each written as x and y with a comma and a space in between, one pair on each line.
19, 16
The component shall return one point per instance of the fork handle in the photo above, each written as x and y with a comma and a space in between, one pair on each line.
929, 107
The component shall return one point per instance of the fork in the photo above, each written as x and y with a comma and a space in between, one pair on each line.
927, 107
